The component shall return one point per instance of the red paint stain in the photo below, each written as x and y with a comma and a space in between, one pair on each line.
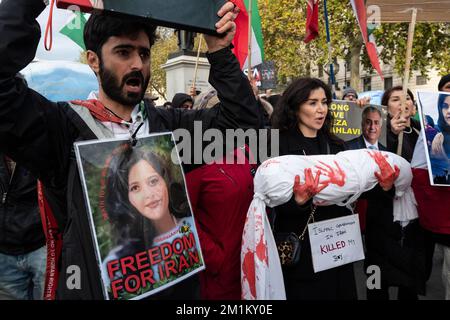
248, 267
261, 250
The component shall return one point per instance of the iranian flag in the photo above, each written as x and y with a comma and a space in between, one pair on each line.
369, 40
240, 41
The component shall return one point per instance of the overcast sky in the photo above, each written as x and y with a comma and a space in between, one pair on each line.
63, 48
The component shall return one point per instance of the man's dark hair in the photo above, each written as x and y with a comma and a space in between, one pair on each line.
366, 112
103, 25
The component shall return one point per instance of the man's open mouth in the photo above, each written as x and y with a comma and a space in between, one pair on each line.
133, 82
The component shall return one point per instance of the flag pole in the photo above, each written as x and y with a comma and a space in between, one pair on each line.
196, 63
249, 58
330, 59
411, 29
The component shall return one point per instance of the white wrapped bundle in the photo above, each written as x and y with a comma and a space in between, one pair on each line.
348, 173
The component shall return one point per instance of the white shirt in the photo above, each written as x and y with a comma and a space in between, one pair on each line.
419, 158
371, 146
125, 130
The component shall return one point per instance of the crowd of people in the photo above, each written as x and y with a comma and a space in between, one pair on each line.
36, 143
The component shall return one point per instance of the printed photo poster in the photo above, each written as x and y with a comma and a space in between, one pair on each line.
191, 15
434, 112
347, 120
140, 216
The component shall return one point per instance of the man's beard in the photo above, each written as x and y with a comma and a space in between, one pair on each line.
115, 91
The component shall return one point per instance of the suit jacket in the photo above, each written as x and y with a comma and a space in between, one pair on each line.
359, 143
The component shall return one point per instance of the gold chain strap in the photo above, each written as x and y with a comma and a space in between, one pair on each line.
311, 216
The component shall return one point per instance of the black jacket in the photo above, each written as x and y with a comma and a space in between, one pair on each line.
409, 139
40, 134
20, 223
359, 143
399, 252
300, 281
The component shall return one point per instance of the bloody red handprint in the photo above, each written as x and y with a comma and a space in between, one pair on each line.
387, 176
336, 175
311, 187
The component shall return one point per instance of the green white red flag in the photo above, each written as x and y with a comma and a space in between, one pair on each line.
241, 40
74, 28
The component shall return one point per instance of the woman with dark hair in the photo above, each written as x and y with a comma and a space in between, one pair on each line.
397, 249
305, 129
142, 201
400, 122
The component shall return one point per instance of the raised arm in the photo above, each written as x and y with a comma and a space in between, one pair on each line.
238, 107
31, 127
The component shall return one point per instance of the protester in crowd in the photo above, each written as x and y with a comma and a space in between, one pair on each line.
350, 94
397, 249
444, 83
371, 123
182, 101
399, 121
433, 203
39, 133
220, 194
305, 129
22, 240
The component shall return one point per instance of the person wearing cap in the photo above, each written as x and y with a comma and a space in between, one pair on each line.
350, 94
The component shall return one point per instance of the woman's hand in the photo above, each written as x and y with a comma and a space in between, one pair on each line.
387, 176
398, 123
311, 187
437, 150
363, 102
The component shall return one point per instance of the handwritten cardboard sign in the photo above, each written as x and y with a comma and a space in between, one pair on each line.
335, 242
